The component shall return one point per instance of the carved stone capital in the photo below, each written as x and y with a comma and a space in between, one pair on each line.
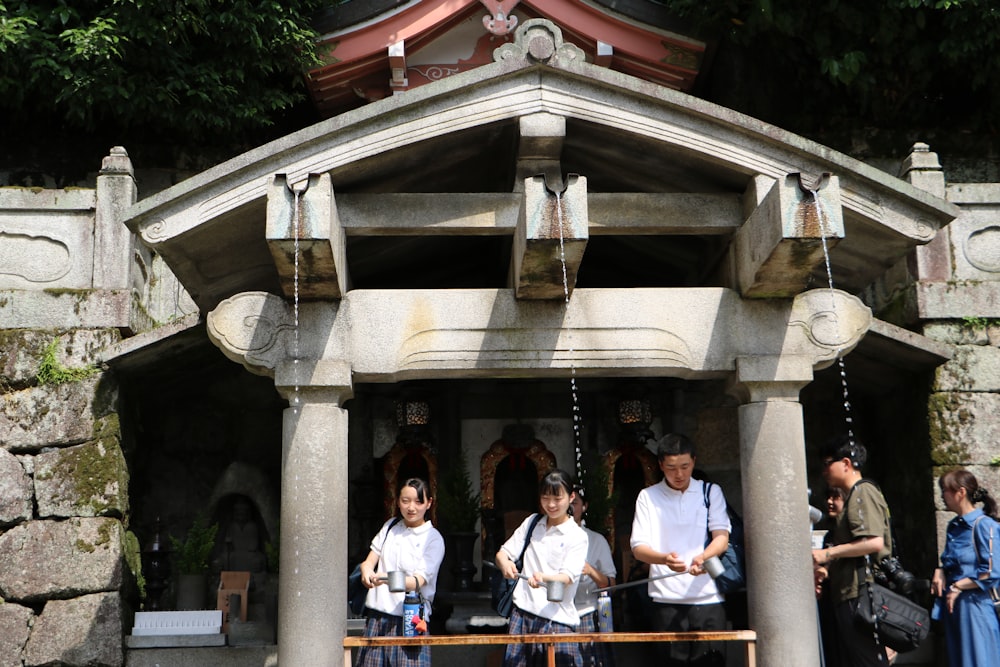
255, 329
832, 323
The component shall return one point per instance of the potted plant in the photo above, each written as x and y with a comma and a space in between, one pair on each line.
191, 556
458, 507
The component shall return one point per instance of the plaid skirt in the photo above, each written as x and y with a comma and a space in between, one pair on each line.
594, 654
386, 625
534, 655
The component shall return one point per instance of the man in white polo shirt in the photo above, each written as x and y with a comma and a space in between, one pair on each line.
673, 531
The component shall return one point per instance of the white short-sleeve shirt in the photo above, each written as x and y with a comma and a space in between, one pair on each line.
668, 520
416, 551
552, 549
599, 557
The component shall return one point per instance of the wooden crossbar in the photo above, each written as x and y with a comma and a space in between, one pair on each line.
748, 637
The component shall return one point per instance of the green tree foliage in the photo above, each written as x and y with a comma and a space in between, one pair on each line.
883, 62
188, 68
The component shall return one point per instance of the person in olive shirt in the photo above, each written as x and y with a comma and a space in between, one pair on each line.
861, 530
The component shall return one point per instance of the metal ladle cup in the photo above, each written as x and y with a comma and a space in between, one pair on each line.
396, 580
714, 567
554, 590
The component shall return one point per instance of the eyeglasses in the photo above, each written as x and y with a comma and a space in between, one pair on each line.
828, 462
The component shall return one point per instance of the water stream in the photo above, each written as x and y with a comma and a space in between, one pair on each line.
297, 193
569, 339
848, 418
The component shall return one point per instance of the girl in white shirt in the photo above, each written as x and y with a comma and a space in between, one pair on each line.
557, 551
412, 545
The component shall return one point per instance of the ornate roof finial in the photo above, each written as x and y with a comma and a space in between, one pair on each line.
539, 40
500, 22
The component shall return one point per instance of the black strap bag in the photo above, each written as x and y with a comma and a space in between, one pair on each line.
356, 591
734, 577
501, 588
897, 621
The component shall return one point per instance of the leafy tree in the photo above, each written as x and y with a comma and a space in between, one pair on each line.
920, 63
179, 68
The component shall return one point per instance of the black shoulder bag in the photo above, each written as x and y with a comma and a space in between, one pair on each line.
734, 578
897, 621
501, 588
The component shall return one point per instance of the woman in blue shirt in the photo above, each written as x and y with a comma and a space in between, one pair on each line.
970, 568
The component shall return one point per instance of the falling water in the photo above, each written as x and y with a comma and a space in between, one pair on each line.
295, 400
572, 380
848, 419
295, 291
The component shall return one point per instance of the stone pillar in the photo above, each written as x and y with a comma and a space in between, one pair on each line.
113, 242
259, 331
776, 509
312, 604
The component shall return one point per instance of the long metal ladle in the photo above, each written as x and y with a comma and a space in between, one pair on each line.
554, 590
713, 566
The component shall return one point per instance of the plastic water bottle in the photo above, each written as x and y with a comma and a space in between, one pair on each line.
605, 623
411, 610
937, 609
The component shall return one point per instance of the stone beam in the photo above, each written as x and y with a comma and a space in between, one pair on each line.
781, 243
539, 148
395, 335
306, 239
496, 213
550, 239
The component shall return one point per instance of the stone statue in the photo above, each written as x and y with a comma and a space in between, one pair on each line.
242, 547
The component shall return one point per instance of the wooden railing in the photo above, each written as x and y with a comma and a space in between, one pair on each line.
748, 637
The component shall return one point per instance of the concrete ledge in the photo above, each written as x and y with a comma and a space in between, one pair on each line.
949, 300
174, 641
64, 309
212, 656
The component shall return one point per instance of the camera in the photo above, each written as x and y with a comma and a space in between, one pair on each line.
891, 574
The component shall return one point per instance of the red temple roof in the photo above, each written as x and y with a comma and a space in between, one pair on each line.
419, 42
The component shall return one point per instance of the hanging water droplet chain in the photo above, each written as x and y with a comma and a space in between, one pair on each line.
848, 418
295, 293
578, 451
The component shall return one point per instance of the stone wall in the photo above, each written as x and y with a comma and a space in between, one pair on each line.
65, 584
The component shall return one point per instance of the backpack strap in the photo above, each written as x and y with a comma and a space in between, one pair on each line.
392, 523
527, 538
989, 544
706, 488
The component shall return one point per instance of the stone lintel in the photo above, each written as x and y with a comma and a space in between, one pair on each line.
306, 239
496, 214
394, 335
781, 243
550, 239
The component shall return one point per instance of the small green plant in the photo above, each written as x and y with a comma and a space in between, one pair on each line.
995, 462
975, 322
457, 503
191, 554
50, 371
272, 551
